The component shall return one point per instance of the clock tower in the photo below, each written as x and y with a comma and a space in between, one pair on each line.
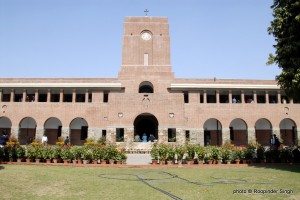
146, 45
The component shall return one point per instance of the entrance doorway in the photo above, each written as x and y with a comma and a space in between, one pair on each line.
146, 123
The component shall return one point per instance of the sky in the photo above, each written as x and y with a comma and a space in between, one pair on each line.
83, 38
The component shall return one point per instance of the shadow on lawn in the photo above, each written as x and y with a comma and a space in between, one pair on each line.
1, 167
292, 167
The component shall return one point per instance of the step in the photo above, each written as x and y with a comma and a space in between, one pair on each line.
138, 159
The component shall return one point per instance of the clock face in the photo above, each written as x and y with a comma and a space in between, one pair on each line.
146, 36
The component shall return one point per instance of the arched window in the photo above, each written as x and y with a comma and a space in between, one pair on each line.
146, 87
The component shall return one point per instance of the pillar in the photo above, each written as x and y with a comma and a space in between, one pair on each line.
128, 136
267, 97
225, 135
230, 97
162, 135
278, 97
65, 131
86, 96
255, 97
48, 95
24, 95
276, 131
0, 95
291, 101
74, 96
251, 135
242, 96
36, 95
111, 135
39, 132
14, 131
197, 136
12, 95
204, 96
217, 96
180, 136
298, 136
61, 95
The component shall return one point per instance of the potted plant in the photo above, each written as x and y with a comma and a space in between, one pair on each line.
20, 153
86, 154
162, 153
76, 152
29, 153
170, 154
56, 151
46, 153
65, 154
208, 157
154, 154
200, 152
190, 153
179, 152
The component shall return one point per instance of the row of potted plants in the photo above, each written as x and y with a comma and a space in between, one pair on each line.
166, 153
38, 152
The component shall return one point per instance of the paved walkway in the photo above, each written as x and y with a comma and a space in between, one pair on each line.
138, 159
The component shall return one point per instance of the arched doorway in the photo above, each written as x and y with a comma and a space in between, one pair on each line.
78, 131
238, 132
53, 129
263, 131
212, 132
146, 123
27, 130
288, 132
5, 126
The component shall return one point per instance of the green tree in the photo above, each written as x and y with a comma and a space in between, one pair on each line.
285, 27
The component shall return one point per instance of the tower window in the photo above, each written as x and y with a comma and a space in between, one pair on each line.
146, 58
146, 87
105, 97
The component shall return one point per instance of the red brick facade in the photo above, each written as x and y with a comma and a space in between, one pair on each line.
146, 93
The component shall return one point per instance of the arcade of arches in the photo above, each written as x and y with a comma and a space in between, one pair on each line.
213, 132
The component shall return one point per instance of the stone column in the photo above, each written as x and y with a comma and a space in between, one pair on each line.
180, 136
36, 95
298, 136
65, 131
267, 97
0, 95
251, 135
94, 132
61, 95
204, 96
225, 135
276, 130
128, 137
24, 95
74, 96
278, 97
291, 101
111, 135
14, 131
197, 136
230, 97
86, 96
12, 95
39, 132
255, 97
242, 96
162, 135
217, 96
48, 95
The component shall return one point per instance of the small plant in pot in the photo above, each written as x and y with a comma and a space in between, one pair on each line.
20, 153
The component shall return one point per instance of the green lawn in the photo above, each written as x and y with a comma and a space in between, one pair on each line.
66, 182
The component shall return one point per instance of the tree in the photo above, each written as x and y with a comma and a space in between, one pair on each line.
285, 27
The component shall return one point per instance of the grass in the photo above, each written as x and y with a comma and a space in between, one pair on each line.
66, 182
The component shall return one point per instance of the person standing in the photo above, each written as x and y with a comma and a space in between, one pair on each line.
45, 140
4, 138
67, 141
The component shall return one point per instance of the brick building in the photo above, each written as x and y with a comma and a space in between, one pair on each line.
147, 98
